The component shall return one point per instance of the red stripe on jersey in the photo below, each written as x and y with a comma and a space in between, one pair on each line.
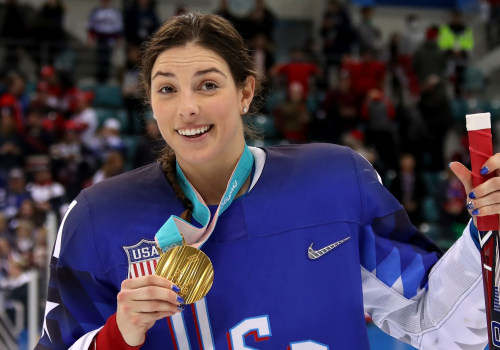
143, 272
229, 344
196, 326
172, 335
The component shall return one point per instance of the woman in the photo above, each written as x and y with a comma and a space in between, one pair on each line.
308, 238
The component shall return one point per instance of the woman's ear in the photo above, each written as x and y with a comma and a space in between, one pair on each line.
247, 92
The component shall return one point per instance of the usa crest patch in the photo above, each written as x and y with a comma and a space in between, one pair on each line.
142, 258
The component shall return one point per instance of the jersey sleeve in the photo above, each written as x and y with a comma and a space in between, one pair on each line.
79, 298
412, 291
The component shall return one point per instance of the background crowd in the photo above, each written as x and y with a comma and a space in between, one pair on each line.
399, 101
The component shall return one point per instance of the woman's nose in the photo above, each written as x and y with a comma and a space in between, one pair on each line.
188, 105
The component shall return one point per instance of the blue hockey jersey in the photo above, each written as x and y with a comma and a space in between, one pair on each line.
316, 241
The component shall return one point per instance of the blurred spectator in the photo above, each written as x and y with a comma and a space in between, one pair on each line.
14, 34
337, 33
11, 143
15, 99
338, 113
223, 10
262, 54
114, 164
132, 98
48, 90
48, 32
140, 21
7, 252
4, 228
412, 36
292, 117
457, 40
429, 60
14, 194
28, 212
24, 238
84, 118
260, 20
16, 283
409, 188
429, 63
450, 199
72, 162
379, 116
366, 74
108, 139
492, 20
298, 70
149, 146
46, 193
37, 139
105, 27
369, 36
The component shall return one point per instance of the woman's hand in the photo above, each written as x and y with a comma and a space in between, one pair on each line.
485, 198
141, 302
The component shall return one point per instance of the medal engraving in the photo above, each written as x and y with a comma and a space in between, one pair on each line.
188, 268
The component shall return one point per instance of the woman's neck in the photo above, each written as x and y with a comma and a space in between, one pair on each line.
211, 181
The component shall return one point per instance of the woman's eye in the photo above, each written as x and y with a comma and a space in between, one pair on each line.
209, 86
166, 90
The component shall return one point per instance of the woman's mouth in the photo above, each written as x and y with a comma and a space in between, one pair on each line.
194, 132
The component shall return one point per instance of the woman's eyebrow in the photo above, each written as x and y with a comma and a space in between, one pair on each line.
209, 70
196, 74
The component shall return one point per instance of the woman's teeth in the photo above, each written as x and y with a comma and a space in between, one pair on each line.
193, 132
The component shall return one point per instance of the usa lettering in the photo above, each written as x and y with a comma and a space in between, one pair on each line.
258, 327
145, 253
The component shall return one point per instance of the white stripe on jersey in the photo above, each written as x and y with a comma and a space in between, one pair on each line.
57, 246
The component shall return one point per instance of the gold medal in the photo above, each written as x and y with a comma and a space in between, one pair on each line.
189, 269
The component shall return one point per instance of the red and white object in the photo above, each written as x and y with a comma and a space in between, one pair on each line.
481, 148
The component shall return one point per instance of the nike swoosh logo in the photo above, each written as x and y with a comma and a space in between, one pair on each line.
315, 254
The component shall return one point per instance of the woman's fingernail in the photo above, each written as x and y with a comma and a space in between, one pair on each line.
484, 170
472, 195
176, 289
475, 212
449, 164
180, 307
180, 299
470, 205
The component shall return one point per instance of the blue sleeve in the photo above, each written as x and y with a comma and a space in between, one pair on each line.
78, 300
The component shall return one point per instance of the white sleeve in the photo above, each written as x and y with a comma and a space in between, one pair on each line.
447, 315
84, 342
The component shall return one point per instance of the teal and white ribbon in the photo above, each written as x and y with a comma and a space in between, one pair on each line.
169, 235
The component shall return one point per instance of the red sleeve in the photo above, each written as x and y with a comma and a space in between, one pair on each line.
109, 337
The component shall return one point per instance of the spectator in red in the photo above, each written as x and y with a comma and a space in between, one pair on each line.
292, 117
298, 70
16, 99
366, 74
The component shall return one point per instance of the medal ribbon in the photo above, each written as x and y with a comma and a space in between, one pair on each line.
169, 235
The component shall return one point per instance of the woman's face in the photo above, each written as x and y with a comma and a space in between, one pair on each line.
198, 106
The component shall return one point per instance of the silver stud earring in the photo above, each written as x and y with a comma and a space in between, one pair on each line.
245, 109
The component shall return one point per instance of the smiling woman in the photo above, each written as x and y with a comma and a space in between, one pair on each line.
291, 244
